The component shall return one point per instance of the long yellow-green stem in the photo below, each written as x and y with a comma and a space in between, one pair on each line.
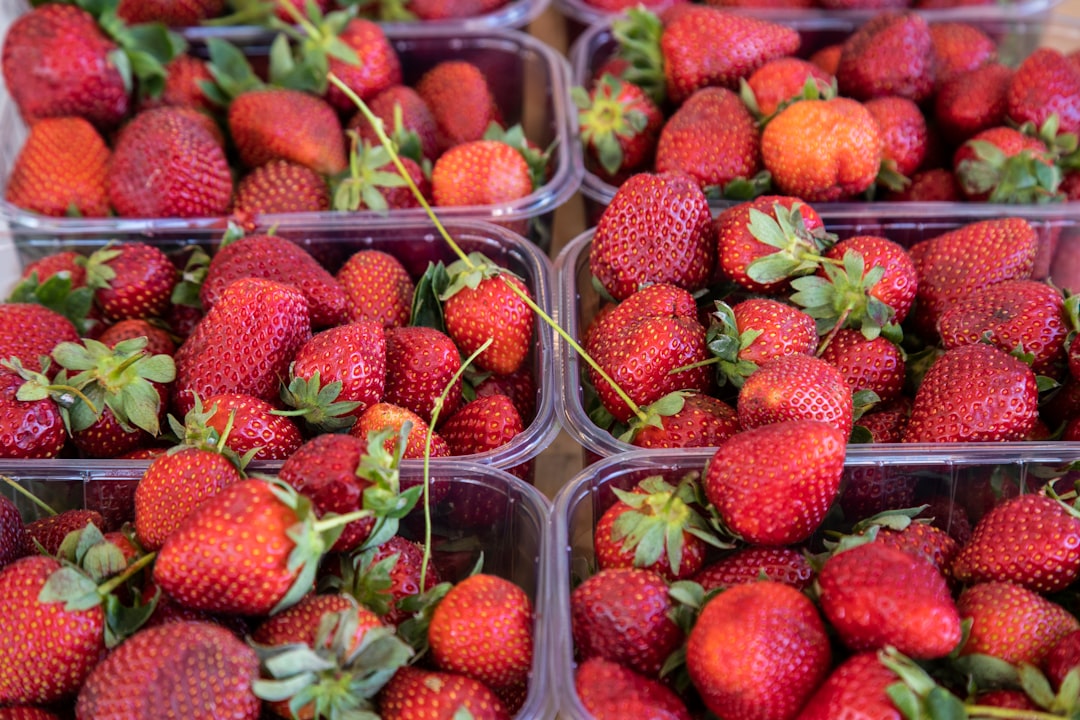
29, 495
376, 124
130, 570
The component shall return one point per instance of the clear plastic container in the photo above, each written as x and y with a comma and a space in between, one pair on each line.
953, 472
415, 244
528, 79
512, 535
1017, 38
578, 300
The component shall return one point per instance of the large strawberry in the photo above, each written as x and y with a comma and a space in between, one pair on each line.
61, 170
890, 54
774, 484
757, 652
796, 387
1012, 623
1047, 83
663, 217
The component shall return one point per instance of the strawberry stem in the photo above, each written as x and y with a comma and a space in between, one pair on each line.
831, 335
988, 711
334, 521
376, 125
33, 498
115, 582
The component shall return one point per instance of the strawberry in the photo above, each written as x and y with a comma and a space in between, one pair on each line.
921, 621
56, 62
895, 288
65, 261
903, 132
974, 393
47, 660
886, 424
934, 185
458, 96
485, 302
782, 81
764, 242
945, 514
413, 693
131, 280
280, 186
61, 170
372, 181
31, 426
1001, 164
244, 343
970, 257
49, 532
376, 68
751, 564
254, 426
677, 235
822, 150
972, 101
25, 712
857, 686
383, 415
158, 340
276, 258
185, 75
757, 651
796, 387
383, 576
480, 172
420, 364
482, 425
1028, 540
176, 14
1015, 313
924, 540
876, 365
622, 615
377, 287
14, 541
890, 54
153, 671
959, 48
403, 112
609, 691
1044, 85
1063, 657
165, 164
337, 374
519, 386
713, 138
260, 544
483, 629
283, 124
828, 58
753, 476
618, 125
1012, 623
692, 420
29, 332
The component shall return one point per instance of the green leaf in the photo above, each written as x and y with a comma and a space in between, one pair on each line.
426, 306
71, 587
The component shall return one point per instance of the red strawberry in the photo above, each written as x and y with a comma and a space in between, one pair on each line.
618, 126
896, 287
185, 12
377, 287
959, 48
152, 670
282, 124
1029, 540
482, 425
924, 540
29, 331
65, 261
754, 475
166, 164
946, 514
1001, 164
758, 651
698, 421
937, 184
383, 415
519, 386
482, 304
876, 365
389, 573
974, 393
609, 691
857, 686
413, 693
755, 331
131, 280
1046, 83
751, 564
420, 363
49, 532
244, 343
254, 426
26, 712
622, 615
972, 101
276, 258
828, 58
921, 620
416, 118
676, 235
159, 342
14, 542
458, 95
376, 69
796, 387
1063, 657
56, 62
783, 80
973, 256
890, 54
29, 428
903, 132
713, 138
1012, 623
60, 170
184, 78
1011, 314
372, 181
280, 186
483, 628
886, 425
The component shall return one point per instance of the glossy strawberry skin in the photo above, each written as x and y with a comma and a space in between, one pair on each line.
609, 551
858, 687
353, 354
903, 132
49, 531
28, 428
890, 54
415, 117
482, 425
480, 172
704, 421
280, 186
876, 365
746, 565
377, 287
383, 415
492, 310
420, 363
278, 123
609, 691
899, 284
142, 286
414, 692
1046, 83
378, 69
254, 426
1012, 623
404, 575
796, 387
62, 165
29, 331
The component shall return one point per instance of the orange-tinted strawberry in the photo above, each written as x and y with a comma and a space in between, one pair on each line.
822, 150
480, 172
753, 475
420, 363
796, 387
1001, 164
610, 691
1045, 84
491, 310
377, 287
747, 565
61, 169
758, 651
903, 132
972, 101
280, 186
959, 47
458, 95
663, 217
383, 415
783, 80
254, 426
414, 692
828, 58
876, 365
618, 126
974, 393
1012, 623
415, 118
283, 124
131, 280
165, 164
890, 54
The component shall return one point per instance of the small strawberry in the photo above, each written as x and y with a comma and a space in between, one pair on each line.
934, 185
754, 475
782, 81
184, 78
254, 426
65, 261
519, 386
1001, 164
280, 186
972, 101
383, 415
876, 365
50, 531
131, 280
890, 54
415, 693
29, 332
685, 419
482, 425
60, 170
175, 14
377, 287
886, 424
618, 125
458, 96
870, 298
925, 540
1012, 623
904, 134
609, 691
796, 387
372, 181
751, 564
357, 51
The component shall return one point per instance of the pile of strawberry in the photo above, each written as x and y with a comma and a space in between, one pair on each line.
618, 6
225, 13
716, 326
228, 594
96, 350
901, 109
752, 589
126, 120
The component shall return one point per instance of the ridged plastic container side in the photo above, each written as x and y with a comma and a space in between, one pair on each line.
578, 301
415, 244
954, 472
1017, 38
528, 79
487, 511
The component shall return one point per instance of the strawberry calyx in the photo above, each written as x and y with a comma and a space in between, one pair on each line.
186, 290
798, 249
638, 33
867, 529
99, 275
231, 72
917, 695
605, 118
420, 608
245, 12
336, 674
889, 177
196, 432
725, 343
667, 406
120, 378
741, 188
305, 64
989, 672
383, 10
37, 386
57, 294
383, 497
812, 89
317, 404
369, 582
1027, 177
359, 185
538, 161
